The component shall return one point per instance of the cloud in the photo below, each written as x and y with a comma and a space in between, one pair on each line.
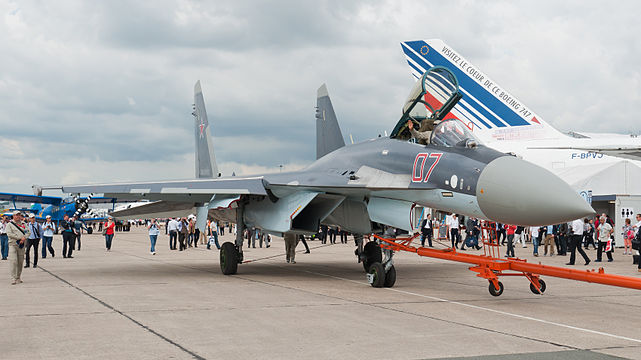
99, 91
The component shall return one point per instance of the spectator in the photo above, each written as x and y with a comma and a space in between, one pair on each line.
213, 228
332, 235
563, 233
33, 241
472, 230
323, 234
548, 241
519, 236
628, 235
426, 231
500, 233
343, 235
589, 234
183, 232
78, 226
68, 237
509, 230
48, 228
291, 240
110, 228
4, 239
18, 233
154, 230
453, 226
191, 226
534, 233
172, 227
605, 242
637, 226
302, 239
265, 237
575, 242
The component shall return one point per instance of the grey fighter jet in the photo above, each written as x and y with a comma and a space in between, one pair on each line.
365, 186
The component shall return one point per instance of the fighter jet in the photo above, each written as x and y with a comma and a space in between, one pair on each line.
368, 185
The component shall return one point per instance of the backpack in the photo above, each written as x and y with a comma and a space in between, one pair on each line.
636, 241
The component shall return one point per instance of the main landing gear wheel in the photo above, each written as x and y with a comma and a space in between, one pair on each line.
494, 291
390, 277
372, 254
535, 291
376, 275
228, 258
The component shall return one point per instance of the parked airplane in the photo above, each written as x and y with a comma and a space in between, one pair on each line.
364, 186
505, 123
56, 207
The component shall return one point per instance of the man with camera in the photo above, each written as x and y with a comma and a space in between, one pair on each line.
18, 232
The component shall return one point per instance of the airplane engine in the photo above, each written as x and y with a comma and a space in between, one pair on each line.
395, 213
301, 212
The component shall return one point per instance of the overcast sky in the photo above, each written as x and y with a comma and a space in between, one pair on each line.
101, 91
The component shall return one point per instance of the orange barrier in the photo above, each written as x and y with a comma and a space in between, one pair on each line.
491, 266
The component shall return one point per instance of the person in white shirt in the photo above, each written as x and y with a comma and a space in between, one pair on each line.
172, 228
534, 232
453, 225
605, 242
213, 227
575, 242
48, 228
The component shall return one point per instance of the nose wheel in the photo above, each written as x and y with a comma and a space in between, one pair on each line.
378, 277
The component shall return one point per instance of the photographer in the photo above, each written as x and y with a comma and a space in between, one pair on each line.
18, 233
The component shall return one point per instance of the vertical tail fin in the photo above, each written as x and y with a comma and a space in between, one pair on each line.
486, 108
328, 134
205, 159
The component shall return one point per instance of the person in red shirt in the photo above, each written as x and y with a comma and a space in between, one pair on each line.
509, 230
109, 232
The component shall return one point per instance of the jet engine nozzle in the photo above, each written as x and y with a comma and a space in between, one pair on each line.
515, 191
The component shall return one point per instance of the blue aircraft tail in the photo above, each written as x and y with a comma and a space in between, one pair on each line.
486, 108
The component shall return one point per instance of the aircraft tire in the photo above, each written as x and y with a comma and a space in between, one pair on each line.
390, 277
535, 291
377, 270
493, 290
373, 254
228, 258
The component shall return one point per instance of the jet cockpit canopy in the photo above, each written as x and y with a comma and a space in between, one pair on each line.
432, 97
453, 132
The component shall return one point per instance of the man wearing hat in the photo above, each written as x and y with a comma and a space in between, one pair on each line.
35, 232
48, 228
18, 233
4, 240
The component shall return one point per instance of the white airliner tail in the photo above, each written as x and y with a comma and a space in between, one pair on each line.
489, 110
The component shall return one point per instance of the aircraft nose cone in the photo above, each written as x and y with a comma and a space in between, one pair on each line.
514, 191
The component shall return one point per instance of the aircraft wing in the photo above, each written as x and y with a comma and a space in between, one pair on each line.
25, 198
631, 152
185, 191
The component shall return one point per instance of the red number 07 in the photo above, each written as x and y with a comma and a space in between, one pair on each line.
419, 166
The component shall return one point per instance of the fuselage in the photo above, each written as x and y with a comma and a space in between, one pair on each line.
448, 178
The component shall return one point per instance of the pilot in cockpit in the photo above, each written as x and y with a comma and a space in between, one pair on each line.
424, 133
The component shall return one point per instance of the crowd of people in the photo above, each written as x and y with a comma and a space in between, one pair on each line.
560, 239
20, 239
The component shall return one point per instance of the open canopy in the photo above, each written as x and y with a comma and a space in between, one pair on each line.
433, 96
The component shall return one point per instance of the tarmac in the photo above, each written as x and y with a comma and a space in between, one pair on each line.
129, 304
